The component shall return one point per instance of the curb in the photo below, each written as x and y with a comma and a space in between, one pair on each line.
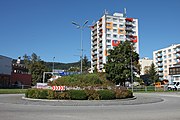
51, 100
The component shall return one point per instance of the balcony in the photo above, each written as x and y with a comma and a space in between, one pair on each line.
94, 63
94, 43
94, 48
178, 50
94, 38
160, 74
159, 55
160, 64
178, 55
129, 23
129, 33
129, 28
94, 58
159, 59
100, 44
100, 61
93, 28
94, 33
100, 55
160, 69
129, 19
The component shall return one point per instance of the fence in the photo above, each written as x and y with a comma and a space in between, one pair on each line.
149, 88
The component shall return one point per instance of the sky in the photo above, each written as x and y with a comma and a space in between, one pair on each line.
45, 27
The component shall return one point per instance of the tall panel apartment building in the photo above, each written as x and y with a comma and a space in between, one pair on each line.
165, 59
107, 33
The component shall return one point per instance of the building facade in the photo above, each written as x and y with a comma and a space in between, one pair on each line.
174, 72
13, 74
108, 32
166, 58
5, 71
145, 65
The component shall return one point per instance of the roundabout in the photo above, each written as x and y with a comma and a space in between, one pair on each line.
146, 106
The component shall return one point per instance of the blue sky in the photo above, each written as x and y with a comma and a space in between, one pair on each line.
44, 26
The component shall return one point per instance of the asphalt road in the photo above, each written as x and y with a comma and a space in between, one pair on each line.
151, 106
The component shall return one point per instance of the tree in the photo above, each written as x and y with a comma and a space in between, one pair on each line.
118, 66
153, 75
85, 64
36, 67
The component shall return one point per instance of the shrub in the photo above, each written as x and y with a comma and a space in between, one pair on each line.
92, 95
77, 95
62, 95
106, 94
30, 93
41, 94
50, 94
123, 93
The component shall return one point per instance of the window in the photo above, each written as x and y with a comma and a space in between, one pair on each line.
108, 24
169, 55
170, 61
164, 56
115, 19
108, 35
121, 26
165, 66
121, 36
108, 46
108, 19
108, 30
114, 25
165, 61
108, 41
114, 30
164, 51
169, 50
121, 20
114, 36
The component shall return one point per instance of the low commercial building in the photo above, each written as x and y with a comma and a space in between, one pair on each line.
13, 75
5, 71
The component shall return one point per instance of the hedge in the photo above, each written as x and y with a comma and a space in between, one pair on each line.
78, 94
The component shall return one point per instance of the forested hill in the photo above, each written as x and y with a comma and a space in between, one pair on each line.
62, 66
57, 65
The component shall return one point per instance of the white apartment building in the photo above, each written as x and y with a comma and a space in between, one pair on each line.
166, 58
108, 32
145, 65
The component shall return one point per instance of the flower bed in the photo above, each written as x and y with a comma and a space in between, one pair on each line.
79, 94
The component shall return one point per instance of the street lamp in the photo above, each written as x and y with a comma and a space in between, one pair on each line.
81, 28
131, 67
53, 65
131, 72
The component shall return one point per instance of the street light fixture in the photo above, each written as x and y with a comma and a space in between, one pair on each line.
81, 28
53, 65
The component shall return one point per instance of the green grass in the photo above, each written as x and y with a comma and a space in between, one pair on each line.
12, 91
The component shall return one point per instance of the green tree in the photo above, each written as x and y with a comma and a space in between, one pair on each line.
153, 75
118, 66
36, 67
85, 64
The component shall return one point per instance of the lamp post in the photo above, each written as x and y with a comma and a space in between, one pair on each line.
53, 65
81, 27
131, 72
131, 68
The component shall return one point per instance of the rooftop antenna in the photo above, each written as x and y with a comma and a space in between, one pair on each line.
105, 12
125, 12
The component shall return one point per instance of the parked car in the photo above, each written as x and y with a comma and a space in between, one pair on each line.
174, 86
